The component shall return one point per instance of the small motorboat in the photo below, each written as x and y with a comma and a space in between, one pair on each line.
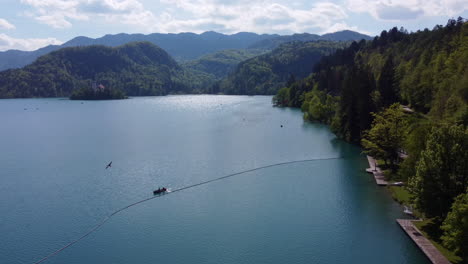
398, 183
162, 190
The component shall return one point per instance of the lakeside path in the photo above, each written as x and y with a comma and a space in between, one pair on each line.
376, 171
432, 253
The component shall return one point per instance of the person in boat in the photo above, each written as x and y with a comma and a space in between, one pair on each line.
160, 190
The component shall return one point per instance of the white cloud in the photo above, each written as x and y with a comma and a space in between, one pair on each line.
253, 16
61, 13
398, 10
173, 16
7, 43
5, 24
56, 20
343, 26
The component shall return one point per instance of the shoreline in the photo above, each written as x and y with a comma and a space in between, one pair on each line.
423, 243
431, 252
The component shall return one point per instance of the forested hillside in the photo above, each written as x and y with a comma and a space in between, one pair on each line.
139, 68
404, 97
219, 64
181, 46
266, 73
426, 70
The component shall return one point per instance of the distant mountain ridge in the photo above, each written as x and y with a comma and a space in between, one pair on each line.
344, 35
181, 46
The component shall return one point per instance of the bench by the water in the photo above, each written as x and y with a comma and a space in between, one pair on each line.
423, 243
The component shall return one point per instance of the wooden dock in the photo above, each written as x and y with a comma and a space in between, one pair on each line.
423, 243
375, 170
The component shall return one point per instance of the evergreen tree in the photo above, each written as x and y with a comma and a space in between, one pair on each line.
354, 114
346, 119
387, 84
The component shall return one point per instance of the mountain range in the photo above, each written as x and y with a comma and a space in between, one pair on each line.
182, 46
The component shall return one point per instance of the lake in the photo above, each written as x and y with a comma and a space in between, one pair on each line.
54, 186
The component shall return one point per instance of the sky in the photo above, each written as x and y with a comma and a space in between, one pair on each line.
31, 24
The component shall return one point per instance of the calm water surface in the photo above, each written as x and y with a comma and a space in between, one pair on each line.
53, 185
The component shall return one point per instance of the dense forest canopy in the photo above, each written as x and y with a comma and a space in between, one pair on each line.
266, 73
426, 70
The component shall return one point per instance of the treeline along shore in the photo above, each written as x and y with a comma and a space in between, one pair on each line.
403, 97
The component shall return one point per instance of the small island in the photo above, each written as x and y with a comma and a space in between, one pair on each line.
98, 92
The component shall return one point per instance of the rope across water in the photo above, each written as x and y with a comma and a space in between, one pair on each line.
97, 226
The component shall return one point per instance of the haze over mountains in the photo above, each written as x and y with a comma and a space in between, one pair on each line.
182, 46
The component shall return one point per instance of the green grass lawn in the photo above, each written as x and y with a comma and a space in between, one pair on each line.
447, 253
400, 194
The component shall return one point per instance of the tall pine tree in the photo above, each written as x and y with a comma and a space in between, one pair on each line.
387, 85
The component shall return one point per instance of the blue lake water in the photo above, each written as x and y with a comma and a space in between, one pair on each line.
54, 186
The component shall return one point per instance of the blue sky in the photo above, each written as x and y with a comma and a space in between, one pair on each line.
31, 24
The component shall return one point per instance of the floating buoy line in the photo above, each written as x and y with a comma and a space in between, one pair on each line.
97, 226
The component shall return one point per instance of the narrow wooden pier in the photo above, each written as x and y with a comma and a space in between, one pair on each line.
423, 243
375, 170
